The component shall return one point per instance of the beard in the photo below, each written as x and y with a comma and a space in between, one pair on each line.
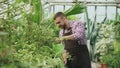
62, 26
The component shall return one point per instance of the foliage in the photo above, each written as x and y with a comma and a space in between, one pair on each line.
33, 45
35, 9
28, 40
116, 27
44, 57
104, 46
115, 60
112, 59
58, 49
74, 9
108, 44
92, 31
72, 17
104, 43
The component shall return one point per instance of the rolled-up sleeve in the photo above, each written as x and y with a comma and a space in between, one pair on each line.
79, 30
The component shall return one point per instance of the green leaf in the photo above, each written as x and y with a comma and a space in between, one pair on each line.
3, 33
76, 9
58, 48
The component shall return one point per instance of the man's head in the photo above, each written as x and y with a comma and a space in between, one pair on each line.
60, 19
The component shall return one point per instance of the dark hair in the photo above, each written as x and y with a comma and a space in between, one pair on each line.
59, 14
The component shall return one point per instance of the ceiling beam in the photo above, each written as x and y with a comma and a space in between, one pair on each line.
87, 2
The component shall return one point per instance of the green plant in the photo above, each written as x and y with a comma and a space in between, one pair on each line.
114, 63
104, 43
76, 9
108, 44
58, 49
112, 59
45, 56
28, 41
92, 31
116, 27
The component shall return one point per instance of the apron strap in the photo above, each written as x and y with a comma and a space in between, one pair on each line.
68, 29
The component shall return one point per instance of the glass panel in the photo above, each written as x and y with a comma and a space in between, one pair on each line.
111, 0
90, 0
67, 7
91, 12
111, 12
101, 0
80, 0
100, 13
51, 9
119, 11
58, 8
81, 17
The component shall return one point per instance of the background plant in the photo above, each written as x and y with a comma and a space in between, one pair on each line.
28, 41
104, 43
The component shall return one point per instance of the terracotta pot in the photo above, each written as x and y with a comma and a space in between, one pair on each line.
103, 66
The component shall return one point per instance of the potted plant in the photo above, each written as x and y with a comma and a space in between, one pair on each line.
103, 61
104, 44
103, 65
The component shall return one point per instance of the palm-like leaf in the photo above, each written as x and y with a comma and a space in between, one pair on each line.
76, 9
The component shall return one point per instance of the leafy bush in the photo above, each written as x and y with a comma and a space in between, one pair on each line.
29, 39
104, 44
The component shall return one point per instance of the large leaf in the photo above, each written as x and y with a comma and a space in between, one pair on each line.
76, 9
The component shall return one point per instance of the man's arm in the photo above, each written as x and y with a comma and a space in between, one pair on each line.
69, 37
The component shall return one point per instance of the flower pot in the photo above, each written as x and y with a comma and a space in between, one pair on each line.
103, 66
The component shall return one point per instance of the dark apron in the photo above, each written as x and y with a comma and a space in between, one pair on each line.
79, 53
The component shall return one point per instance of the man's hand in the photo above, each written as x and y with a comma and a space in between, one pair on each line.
65, 55
65, 58
58, 40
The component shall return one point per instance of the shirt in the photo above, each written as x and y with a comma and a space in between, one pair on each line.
78, 30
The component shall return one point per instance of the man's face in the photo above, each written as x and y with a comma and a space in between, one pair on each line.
60, 22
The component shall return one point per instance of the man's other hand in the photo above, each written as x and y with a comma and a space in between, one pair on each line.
58, 40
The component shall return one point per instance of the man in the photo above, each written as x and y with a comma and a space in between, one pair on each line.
72, 33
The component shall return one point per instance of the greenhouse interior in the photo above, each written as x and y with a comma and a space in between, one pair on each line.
29, 33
